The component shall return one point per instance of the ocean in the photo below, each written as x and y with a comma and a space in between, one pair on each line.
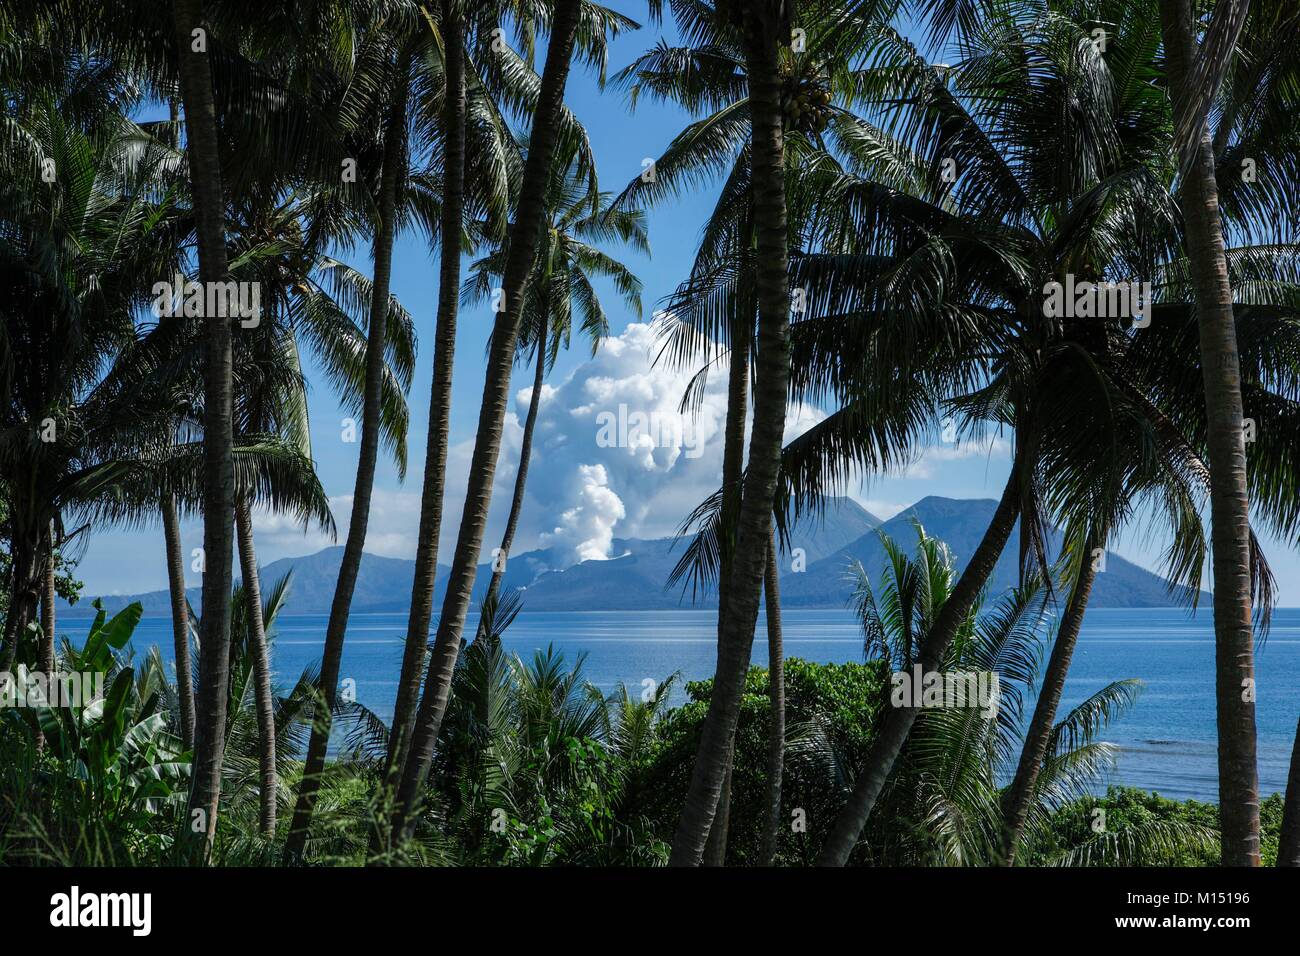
1167, 740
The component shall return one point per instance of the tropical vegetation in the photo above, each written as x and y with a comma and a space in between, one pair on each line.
903, 198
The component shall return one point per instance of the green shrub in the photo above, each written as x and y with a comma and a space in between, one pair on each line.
838, 701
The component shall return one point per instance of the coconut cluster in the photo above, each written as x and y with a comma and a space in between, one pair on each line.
807, 106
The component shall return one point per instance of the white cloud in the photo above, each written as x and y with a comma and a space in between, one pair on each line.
884, 510
933, 459
613, 455
586, 530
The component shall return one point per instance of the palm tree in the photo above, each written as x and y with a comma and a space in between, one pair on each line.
708, 77
525, 234
765, 26
942, 802
68, 302
242, 773
218, 432
261, 662
776, 696
857, 435
481, 80
454, 112
1099, 188
180, 617
392, 172
560, 286
312, 298
149, 59
1038, 735
1193, 82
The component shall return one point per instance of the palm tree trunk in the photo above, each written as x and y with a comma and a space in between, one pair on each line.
435, 457
180, 617
715, 848
48, 596
525, 455
776, 696
257, 648
1288, 843
733, 469
45, 659
772, 372
524, 237
22, 595
367, 459
218, 434
1017, 799
1229, 504
898, 722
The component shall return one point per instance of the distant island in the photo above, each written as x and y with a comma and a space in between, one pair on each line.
634, 578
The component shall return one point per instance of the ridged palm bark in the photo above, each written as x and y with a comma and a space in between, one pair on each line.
391, 174
49, 594
525, 454
1229, 502
776, 698
524, 238
1019, 795
24, 586
733, 468
46, 657
218, 428
180, 617
435, 455
898, 722
263, 700
763, 26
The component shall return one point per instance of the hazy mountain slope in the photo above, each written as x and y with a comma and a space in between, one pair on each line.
634, 578
961, 524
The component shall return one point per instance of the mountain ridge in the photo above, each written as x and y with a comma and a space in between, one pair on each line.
633, 578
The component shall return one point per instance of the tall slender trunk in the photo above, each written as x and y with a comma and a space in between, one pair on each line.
733, 470
46, 655
22, 596
1016, 801
218, 433
367, 459
257, 647
715, 847
521, 478
772, 374
1288, 843
897, 723
49, 594
180, 617
435, 457
776, 697
1229, 504
524, 237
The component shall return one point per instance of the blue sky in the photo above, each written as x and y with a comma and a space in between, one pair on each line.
580, 495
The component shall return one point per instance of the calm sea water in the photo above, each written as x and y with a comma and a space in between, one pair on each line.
1168, 740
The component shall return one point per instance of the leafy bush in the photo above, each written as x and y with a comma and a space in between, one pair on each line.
93, 780
1156, 831
833, 706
